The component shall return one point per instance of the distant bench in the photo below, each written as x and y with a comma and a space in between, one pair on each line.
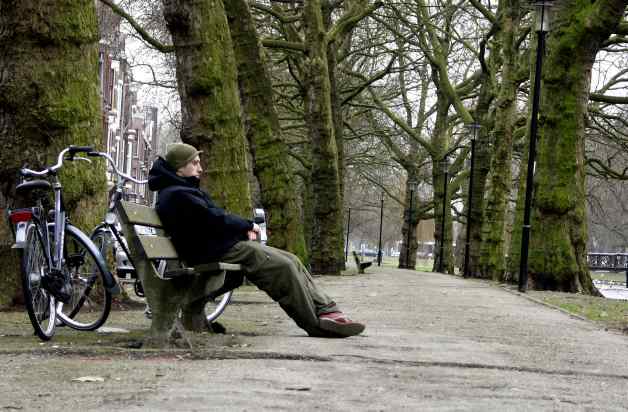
359, 263
179, 287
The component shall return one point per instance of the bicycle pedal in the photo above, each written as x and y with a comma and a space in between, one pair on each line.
54, 282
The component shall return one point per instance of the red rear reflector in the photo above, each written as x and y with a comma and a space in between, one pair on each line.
18, 216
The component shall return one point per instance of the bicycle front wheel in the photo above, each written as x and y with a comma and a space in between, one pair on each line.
215, 306
40, 304
91, 301
104, 241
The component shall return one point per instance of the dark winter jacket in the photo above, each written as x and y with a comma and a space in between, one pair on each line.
200, 231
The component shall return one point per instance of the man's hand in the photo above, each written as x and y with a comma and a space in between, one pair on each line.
253, 232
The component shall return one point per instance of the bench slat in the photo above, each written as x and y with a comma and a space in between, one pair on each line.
139, 215
157, 247
204, 268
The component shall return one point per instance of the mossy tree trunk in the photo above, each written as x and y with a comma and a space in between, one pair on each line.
327, 209
49, 99
340, 45
559, 228
481, 169
338, 121
210, 105
413, 211
494, 258
269, 152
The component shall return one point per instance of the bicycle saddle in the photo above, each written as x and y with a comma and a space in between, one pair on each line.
33, 185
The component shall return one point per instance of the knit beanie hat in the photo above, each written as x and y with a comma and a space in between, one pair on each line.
180, 154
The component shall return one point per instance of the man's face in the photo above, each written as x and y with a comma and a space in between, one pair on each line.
193, 168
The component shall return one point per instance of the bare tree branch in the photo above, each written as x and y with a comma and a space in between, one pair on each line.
603, 98
140, 30
348, 21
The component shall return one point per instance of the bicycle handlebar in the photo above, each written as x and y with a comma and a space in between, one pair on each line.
124, 176
72, 150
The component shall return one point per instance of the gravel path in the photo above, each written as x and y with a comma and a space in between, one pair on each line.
433, 342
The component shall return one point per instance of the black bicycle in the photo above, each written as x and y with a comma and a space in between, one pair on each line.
64, 277
108, 236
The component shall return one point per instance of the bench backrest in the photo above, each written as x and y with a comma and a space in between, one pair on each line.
138, 214
145, 249
155, 246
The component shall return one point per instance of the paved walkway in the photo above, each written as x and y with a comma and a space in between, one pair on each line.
433, 342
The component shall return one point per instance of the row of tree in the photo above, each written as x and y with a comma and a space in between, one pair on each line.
297, 95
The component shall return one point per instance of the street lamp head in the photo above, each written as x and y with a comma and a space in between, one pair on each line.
543, 17
412, 183
473, 129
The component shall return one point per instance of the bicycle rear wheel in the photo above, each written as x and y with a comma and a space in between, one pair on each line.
40, 304
91, 301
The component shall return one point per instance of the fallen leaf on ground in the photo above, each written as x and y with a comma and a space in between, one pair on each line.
89, 379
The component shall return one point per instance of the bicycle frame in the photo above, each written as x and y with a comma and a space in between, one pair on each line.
37, 215
55, 256
59, 226
110, 217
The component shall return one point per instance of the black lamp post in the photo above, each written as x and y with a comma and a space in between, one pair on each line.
411, 186
467, 246
381, 222
348, 231
443, 220
542, 27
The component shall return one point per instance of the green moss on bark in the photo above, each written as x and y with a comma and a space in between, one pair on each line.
206, 75
494, 258
270, 154
210, 106
50, 99
327, 209
558, 236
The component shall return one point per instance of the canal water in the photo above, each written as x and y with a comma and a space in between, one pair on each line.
612, 290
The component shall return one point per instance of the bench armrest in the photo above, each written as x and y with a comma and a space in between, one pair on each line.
204, 268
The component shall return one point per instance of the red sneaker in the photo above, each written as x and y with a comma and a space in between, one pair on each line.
339, 325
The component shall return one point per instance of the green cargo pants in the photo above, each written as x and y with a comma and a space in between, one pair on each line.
286, 280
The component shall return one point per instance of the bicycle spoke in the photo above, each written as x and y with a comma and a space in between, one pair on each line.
40, 305
91, 301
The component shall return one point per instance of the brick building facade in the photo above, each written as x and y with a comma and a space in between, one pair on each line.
130, 130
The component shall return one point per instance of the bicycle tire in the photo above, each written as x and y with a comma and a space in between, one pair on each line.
103, 239
40, 304
90, 305
214, 307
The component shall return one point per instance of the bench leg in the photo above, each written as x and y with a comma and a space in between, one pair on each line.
200, 288
164, 298
193, 316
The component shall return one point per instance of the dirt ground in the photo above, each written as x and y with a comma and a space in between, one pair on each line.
433, 342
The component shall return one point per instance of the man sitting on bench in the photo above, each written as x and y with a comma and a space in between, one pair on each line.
202, 232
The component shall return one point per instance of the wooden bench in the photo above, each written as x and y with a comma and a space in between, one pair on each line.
359, 263
180, 288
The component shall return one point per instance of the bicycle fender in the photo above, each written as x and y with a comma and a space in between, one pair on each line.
20, 235
109, 281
